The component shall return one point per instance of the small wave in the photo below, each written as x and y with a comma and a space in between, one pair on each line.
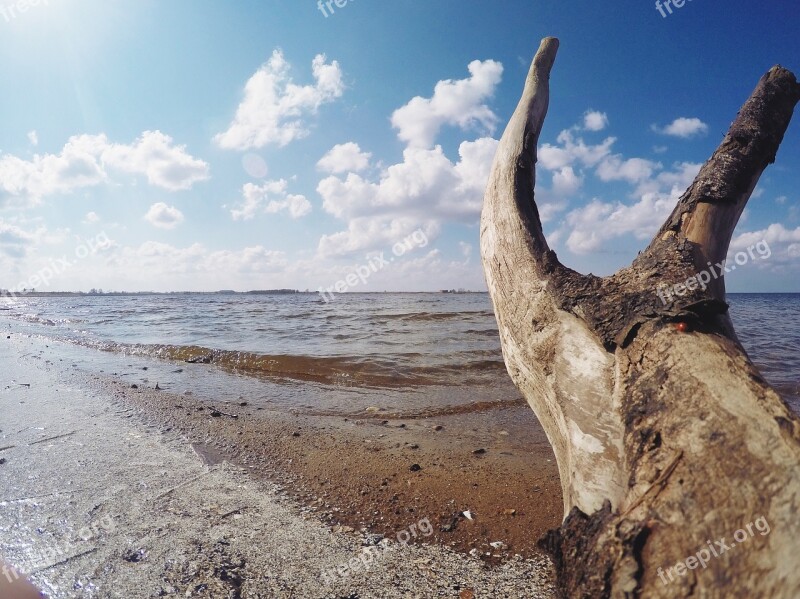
476, 407
299, 315
36, 319
431, 316
483, 332
394, 371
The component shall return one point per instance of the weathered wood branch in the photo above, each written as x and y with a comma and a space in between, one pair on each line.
707, 213
666, 436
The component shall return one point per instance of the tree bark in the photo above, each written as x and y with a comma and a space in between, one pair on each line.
668, 440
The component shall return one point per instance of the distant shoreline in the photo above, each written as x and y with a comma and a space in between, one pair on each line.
5, 294
224, 292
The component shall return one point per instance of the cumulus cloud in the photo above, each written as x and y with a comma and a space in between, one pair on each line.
423, 190
91, 218
426, 187
594, 120
164, 217
88, 160
426, 183
460, 103
154, 156
570, 151
678, 179
683, 127
566, 182
274, 109
571, 160
641, 219
632, 170
657, 195
374, 233
780, 255
775, 233
343, 158
33, 137
271, 197
14, 241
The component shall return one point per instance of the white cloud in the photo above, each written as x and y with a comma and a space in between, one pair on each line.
271, 197
598, 222
91, 218
781, 200
33, 137
154, 155
297, 206
588, 228
248, 260
784, 247
374, 233
460, 103
678, 179
426, 188
274, 108
572, 151
343, 158
88, 160
594, 120
426, 183
422, 191
170, 267
14, 241
683, 127
77, 166
164, 217
566, 182
632, 170
774, 234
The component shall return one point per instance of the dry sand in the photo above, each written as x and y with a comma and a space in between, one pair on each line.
114, 492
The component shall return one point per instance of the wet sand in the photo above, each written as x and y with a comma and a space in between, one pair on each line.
379, 473
196, 511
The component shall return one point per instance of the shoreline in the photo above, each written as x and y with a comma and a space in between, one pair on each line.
185, 519
375, 473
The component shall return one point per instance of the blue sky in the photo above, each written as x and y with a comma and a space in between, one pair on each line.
199, 145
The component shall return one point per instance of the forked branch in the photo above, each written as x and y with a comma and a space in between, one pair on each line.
708, 212
665, 436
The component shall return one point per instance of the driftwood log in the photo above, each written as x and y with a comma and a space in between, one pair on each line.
679, 464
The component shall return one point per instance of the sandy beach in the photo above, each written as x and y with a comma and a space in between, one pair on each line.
114, 491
